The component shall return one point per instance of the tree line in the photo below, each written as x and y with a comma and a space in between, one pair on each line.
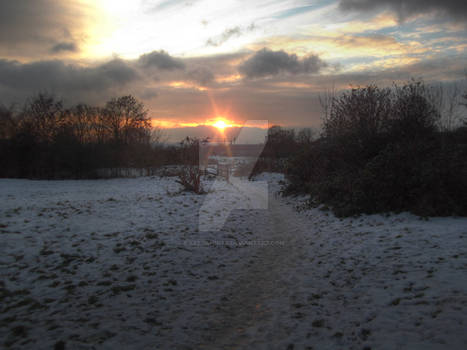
45, 140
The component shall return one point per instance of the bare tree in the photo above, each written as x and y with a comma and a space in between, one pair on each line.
157, 136
127, 119
326, 101
43, 116
84, 122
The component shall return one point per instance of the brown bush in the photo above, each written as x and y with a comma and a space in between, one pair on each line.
190, 178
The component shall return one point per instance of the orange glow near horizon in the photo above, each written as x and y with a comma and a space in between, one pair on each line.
168, 124
223, 118
220, 123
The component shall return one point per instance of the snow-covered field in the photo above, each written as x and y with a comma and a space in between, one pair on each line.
122, 264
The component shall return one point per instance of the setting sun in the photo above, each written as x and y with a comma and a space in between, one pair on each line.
220, 124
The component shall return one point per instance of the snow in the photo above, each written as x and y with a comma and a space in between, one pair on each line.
138, 264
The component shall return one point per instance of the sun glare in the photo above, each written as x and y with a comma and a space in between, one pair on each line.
220, 124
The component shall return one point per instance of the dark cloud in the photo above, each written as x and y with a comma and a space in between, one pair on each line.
60, 47
267, 63
115, 71
30, 28
147, 93
94, 83
456, 9
20, 80
161, 60
201, 75
313, 64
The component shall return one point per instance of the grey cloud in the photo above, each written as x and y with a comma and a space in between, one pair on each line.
251, 27
161, 60
228, 34
201, 76
21, 80
267, 63
117, 71
64, 46
313, 64
147, 93
456, 9
94, 83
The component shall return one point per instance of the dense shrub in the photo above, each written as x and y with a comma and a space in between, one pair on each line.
279, 145
380, 151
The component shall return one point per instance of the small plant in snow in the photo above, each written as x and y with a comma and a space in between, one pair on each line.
190, 178
190, 173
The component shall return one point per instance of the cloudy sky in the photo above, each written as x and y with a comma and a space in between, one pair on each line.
192, 61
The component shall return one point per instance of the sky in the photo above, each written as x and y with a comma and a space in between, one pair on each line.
193, 62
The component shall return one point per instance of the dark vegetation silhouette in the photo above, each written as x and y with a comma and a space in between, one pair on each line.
280, 145
380, 150
189, 175
44, 140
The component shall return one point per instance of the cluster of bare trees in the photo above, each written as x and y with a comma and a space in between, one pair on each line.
123, 120
46, 140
